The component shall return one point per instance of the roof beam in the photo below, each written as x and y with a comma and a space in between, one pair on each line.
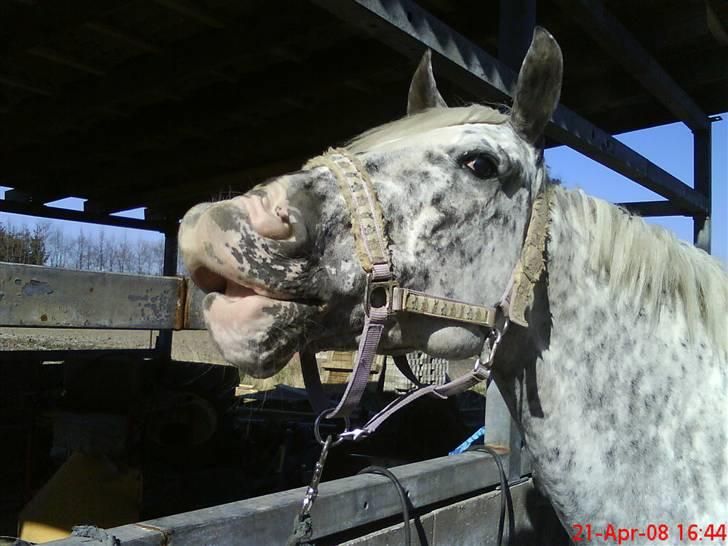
154, 73
35, 24
123, 36
193, 12
42, 211
408, 28
56, 57
627, 51
653, 208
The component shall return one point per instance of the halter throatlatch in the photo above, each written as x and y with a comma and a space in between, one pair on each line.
383, 298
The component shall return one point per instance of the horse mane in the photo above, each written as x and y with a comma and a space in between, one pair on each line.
432, 118
650, 264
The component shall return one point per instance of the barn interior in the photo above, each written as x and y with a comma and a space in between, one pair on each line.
162, 104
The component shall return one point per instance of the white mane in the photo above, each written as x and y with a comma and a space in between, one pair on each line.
432, 118
650, 264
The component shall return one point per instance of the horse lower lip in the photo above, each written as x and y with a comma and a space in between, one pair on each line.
235, 290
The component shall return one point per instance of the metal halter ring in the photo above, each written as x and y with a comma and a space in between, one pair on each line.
317, 433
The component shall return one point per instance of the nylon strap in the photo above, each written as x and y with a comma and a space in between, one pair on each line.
480, 372
372, 249
368, 343
312, 380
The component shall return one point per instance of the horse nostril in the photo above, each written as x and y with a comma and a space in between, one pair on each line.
282, 213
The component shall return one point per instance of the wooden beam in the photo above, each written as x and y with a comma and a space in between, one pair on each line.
193, 12
35, 24
408, 28
609, 33
63, 59
123, 37
21, 83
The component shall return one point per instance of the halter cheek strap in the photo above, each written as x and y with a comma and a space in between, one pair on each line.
383, 298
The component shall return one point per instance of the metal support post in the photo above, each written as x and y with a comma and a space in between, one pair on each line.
169, 269
516, 24
702, 177
501, 432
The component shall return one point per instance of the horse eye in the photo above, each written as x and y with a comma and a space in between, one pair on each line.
481, 165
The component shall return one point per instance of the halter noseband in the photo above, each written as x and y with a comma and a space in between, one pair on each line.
383, 298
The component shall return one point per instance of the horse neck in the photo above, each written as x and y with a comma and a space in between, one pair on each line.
602, 392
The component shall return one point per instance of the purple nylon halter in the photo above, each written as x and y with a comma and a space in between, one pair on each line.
373, 253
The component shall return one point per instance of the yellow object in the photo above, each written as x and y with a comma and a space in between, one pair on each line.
86, 490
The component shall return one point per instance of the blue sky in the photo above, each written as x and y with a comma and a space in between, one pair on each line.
669, 146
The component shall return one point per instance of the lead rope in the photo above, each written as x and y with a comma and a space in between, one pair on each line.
506, 501
302, 524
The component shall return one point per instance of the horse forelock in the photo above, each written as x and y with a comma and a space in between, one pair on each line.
650, 265
432, 118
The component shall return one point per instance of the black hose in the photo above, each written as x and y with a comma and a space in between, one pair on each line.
505, 497
402, 497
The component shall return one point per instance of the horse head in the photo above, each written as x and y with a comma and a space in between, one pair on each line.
455, 185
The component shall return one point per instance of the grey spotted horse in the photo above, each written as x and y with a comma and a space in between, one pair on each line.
615, 363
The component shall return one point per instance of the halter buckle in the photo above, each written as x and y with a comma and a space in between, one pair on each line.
379, 294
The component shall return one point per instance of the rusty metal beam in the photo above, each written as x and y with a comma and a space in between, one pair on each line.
49, 297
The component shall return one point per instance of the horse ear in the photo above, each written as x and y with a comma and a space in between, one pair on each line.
423, 91
538, 87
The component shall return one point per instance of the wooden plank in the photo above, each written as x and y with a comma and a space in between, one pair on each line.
341, 505
408, 28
